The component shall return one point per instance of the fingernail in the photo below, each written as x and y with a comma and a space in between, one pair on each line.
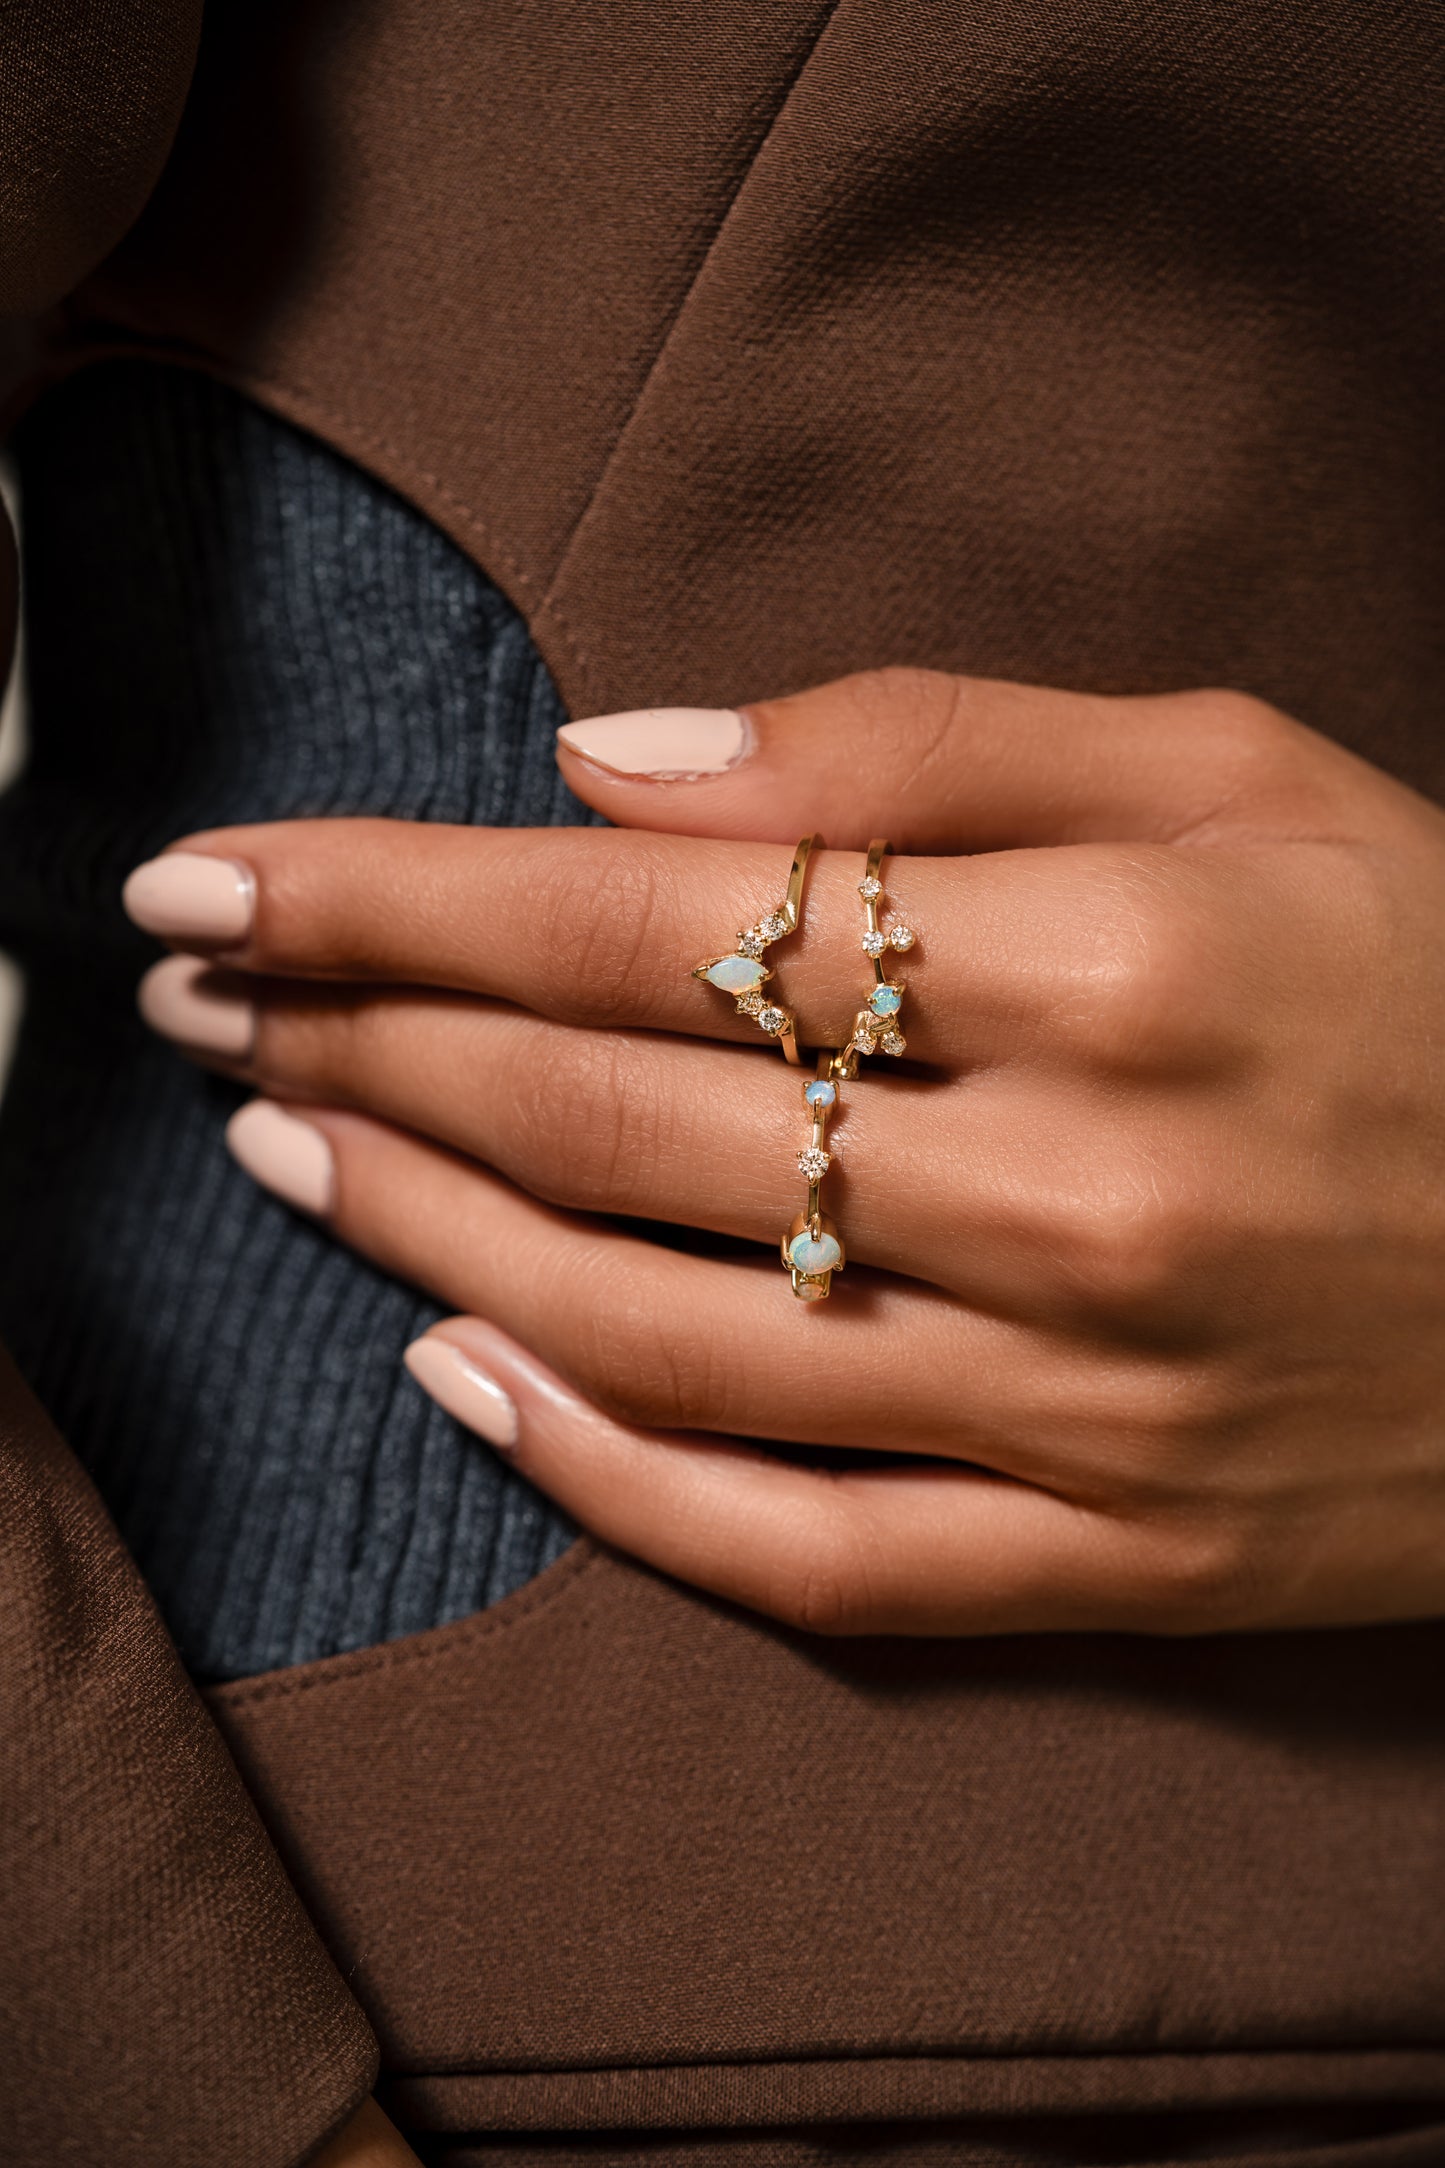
183, 896
186, 999
285, 1155
671, 743
457, 1384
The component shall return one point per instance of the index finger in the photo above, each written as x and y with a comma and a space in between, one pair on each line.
604, 927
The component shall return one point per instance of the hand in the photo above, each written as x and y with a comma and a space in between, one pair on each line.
1146, 1239
369, 2140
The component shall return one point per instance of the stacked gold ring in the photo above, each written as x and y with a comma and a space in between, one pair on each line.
743, 974
876, 1027
812, 1249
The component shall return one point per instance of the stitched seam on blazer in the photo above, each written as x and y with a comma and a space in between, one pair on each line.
415, 1649
1070, 2058
305, 408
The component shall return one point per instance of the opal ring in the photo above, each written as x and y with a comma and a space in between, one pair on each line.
743, 974
876, 1026
812, 1248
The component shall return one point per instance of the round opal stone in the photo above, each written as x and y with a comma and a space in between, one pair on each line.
736, 974
820, 1094
885, 1001
814, 1253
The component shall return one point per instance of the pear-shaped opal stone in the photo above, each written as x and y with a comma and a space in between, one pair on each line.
885, 1001
815, 1253
736, 974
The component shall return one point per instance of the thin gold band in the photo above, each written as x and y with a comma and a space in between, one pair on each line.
793, 902
812, 1248
792, 911
876, 1027
743, 974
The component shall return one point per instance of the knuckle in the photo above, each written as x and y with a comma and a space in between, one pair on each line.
822, 1602
1135, 977
592, 1121
1209, 1578
1149, 1423
1130, 1248
912, 718
537, 1114
596, 914
1195, 1405
830, 1593
1258, 751
641, 1372
1239, 718
904, 693
320, 1043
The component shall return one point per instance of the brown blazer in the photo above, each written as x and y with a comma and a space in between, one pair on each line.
745, 342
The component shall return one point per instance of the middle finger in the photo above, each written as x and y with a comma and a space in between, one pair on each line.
638, 1125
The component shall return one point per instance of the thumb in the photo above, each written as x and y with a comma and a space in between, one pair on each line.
940, 764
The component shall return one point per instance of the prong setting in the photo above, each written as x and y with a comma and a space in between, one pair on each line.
743, 973
875, 1028
812, 1248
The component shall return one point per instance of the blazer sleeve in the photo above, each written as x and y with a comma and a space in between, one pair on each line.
163, 1996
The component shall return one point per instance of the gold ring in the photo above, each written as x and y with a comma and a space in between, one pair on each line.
743, 974
877, 1027
812, 1248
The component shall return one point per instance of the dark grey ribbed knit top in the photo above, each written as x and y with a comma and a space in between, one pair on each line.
226, 621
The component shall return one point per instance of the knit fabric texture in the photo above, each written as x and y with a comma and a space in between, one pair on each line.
227, 622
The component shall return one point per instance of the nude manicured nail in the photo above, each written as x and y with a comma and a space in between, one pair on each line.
457, 1384
183, 896
665, 743
285, 1155
186, 999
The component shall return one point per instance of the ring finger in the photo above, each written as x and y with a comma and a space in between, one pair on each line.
659, 1128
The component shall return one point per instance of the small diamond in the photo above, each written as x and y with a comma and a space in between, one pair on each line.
814, 1163
874, 943
870, 888
772, 1020
893, 1042
773, 928
750, 1004
864, 1041
751, 943
902, 937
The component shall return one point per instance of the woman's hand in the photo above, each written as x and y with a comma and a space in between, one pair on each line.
1142, 1323
369, 2140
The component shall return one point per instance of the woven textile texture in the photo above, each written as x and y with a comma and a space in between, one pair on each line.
226, 621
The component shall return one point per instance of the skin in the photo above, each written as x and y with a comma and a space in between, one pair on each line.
369, 2140
1146, 1238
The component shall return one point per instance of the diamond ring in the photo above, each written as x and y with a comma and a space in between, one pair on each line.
743, 973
